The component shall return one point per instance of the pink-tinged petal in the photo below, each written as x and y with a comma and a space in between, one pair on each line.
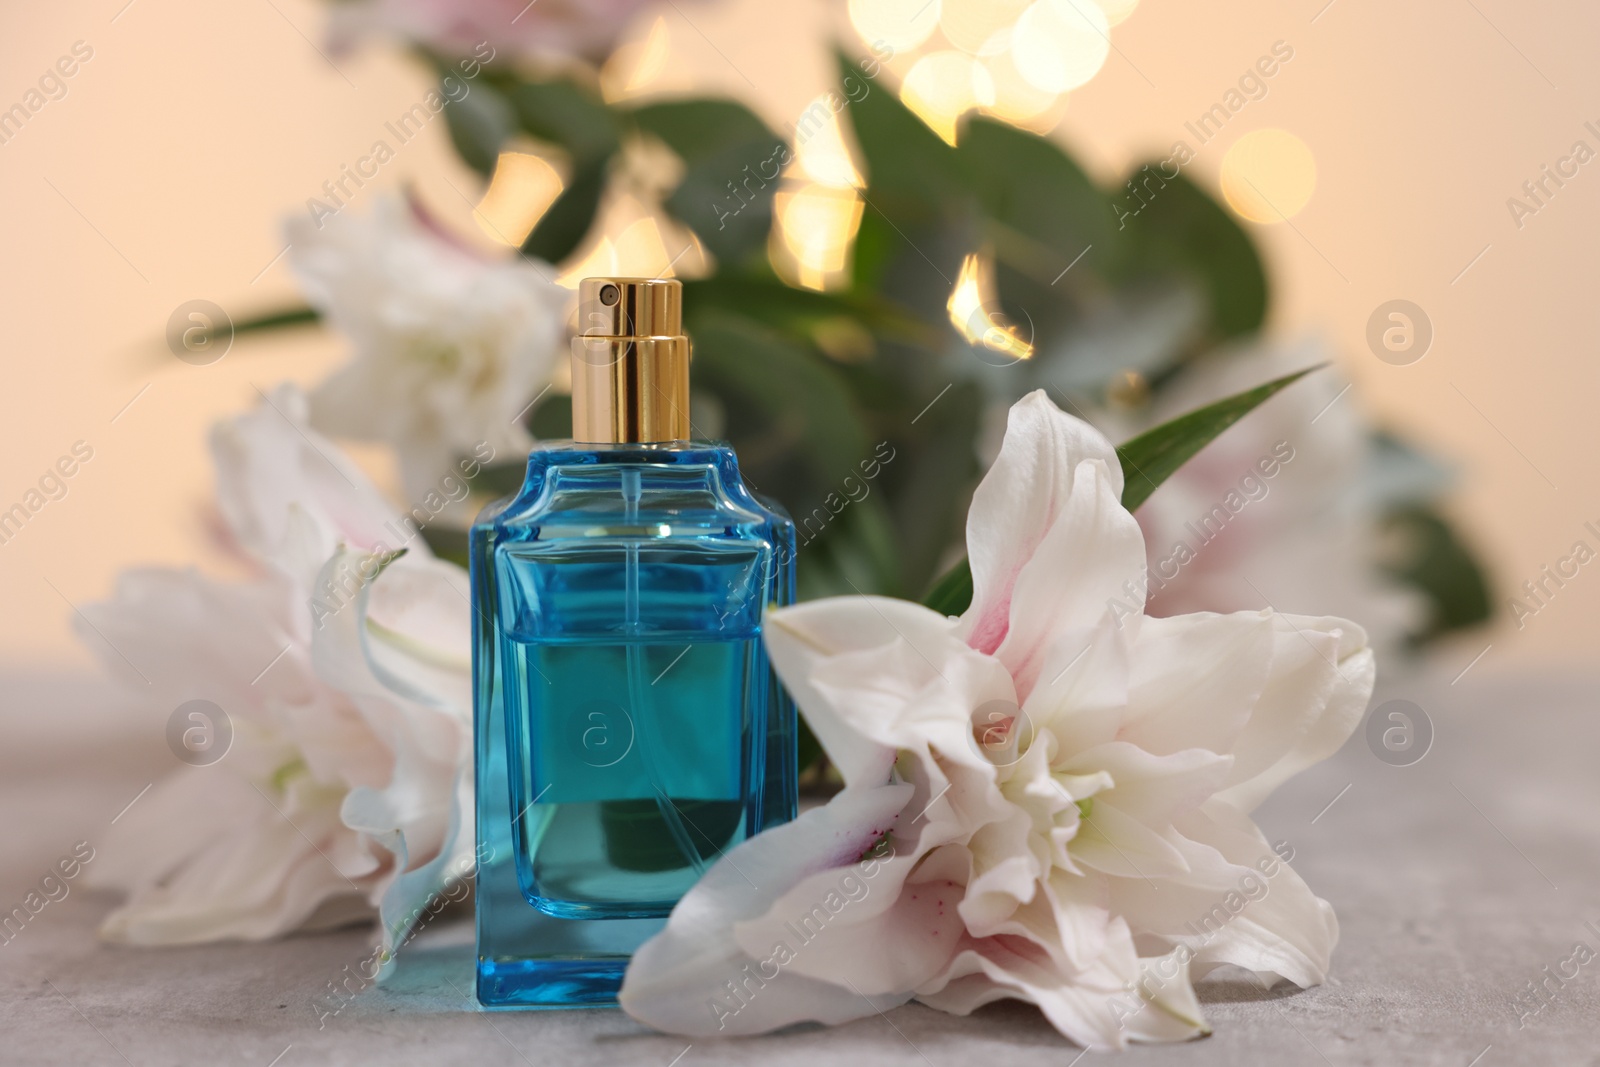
1082, 690
1017, 502
865, 670
1068, 918
269, 461
1083, 568
1100, 1007
888, 923
1320, 681
693, 978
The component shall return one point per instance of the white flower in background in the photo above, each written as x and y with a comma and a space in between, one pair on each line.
1047, 799
348, 696
585, 29
450, 348
1280, 510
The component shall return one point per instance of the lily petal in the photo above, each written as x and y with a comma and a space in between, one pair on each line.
1083, 569
693, 977
1017, 502
270, 461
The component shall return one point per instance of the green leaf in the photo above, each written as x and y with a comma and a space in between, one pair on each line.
278, 320
799, 311
571, 117
929, 479
1171, 226
809, 748
496, 480
551, 419
952, 594
877, 245
731, 166
447, 542
788, 408
479, 124
696, 129
1147, 461
566, 114
914, 178
569, 218
1153, 456
1043, 211
726, 200
854, 551
1430, 557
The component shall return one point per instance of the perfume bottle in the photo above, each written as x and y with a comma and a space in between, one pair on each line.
628, 726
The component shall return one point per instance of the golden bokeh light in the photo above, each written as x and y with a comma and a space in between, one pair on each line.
640, 67
639, 250
1268, 175
1015, 100
821, 152
900, 24
814, 228
520, 192
943, 86
975, 26
1060, 44
972, 307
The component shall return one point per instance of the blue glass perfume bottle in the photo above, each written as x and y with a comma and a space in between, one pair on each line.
628, 726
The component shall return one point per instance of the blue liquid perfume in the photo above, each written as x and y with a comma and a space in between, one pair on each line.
627, 724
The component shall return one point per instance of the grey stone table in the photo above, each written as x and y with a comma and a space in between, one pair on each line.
1458, 880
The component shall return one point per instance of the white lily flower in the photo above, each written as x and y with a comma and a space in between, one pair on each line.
1046, 799
451, 348
553, 29
347, 696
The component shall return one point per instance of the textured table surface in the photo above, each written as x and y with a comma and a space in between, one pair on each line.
1457, 880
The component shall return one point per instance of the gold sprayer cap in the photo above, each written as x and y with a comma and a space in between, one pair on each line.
630, 362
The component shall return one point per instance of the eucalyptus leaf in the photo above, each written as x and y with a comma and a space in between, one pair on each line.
764, 297
479, 123
790, 413
695, 129
929, 479
1171, 226
564, 225
1430, 557
1043, 212
914, 178
732, 162
568, 115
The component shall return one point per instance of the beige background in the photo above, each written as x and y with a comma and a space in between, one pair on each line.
196, 127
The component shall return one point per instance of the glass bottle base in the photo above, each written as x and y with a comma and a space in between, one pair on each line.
588, 983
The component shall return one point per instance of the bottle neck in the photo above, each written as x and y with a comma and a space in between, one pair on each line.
630, 390
630, 362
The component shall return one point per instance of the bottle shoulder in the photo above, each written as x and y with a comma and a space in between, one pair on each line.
584, 490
